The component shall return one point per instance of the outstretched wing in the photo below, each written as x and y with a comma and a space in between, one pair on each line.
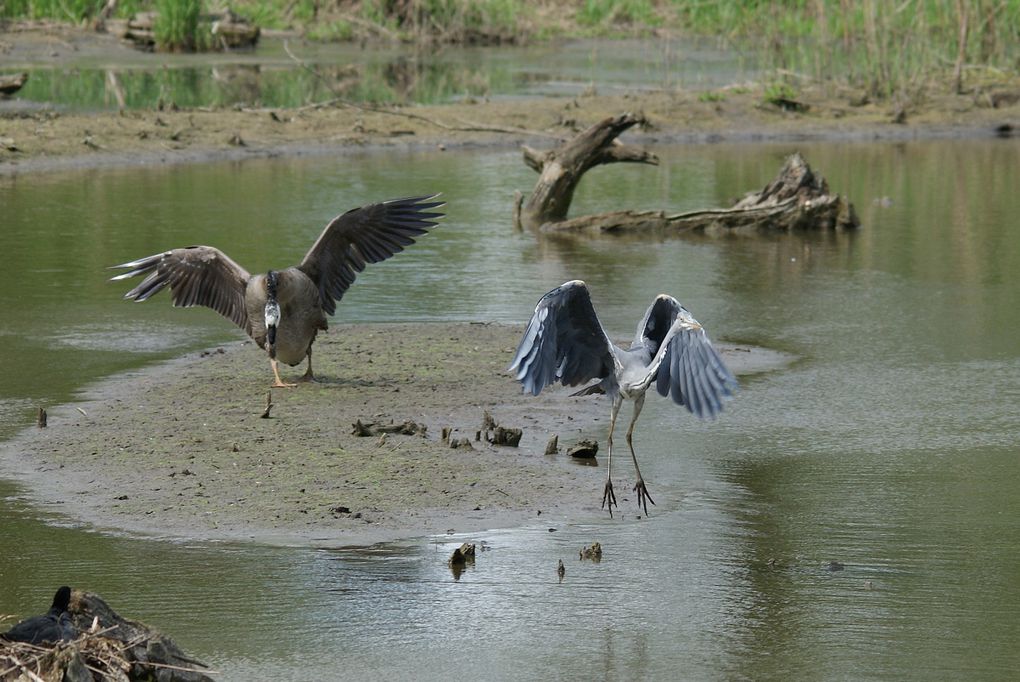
364, 235
564, 341
656, 324
686, 366
196, 275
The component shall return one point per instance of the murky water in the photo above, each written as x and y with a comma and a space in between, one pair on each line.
892, 446
271, 77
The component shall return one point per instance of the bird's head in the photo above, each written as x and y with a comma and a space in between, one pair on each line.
272, 311
61, 599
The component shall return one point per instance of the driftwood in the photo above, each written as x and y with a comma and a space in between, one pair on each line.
561, 168
408, 428
584, 449
499, 435
12, 83
108, 647
229, 31
798, 199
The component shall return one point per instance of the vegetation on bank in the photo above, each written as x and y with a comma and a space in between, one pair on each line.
892, 50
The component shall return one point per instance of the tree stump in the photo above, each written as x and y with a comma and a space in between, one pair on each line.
798, 198
561, 168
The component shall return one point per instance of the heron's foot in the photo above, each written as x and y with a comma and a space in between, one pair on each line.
282, 384
308, 378
643, 498
609, 496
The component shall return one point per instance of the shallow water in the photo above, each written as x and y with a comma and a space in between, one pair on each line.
90, 78
890, 446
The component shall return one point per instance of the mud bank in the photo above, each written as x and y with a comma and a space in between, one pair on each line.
46, 140
181, 450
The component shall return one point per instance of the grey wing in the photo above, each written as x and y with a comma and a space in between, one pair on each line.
689, 369
564, 342
364, 235
657, 322
196, 275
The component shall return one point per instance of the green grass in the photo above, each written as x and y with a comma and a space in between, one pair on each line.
179, 27
891, 49
609, 13
711, 96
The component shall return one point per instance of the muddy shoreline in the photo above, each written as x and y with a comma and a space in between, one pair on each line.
47, 141
35, 140
180, 451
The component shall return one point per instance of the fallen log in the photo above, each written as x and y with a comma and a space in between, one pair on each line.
229, 31
798, 198
408, 428
560, 169
12, 83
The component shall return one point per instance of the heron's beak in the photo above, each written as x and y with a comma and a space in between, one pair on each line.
272, 320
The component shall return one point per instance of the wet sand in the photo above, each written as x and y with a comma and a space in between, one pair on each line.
180, 450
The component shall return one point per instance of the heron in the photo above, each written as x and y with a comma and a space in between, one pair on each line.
53, 626
565, 342
284, 310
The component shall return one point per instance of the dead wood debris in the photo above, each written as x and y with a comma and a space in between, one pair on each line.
12, 83
499, 435
408, 428
798, 199
584, 449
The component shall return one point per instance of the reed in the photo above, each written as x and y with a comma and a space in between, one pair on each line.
891, 49
178, 26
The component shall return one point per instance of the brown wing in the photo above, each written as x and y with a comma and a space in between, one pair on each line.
196, 275
364, 235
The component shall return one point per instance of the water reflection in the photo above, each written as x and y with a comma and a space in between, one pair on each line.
890, 446
269, 77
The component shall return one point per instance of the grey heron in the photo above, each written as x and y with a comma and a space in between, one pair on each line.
565, 342
283, 310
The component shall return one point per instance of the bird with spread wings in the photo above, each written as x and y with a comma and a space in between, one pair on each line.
283, 310
566, 343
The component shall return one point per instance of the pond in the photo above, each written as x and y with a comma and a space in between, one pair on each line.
292, 73
890, 446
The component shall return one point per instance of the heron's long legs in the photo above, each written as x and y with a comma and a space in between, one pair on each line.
643, 498
276, 373
308, 376
608, 495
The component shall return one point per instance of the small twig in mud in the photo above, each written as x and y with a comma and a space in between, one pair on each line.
83, 412
269, 405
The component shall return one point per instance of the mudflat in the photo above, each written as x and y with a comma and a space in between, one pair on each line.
181, 450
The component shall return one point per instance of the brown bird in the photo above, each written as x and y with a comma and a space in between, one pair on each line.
283, 310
